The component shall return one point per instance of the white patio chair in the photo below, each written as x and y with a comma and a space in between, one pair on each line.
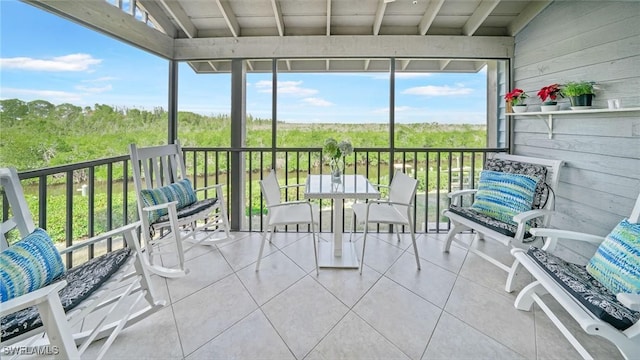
169, 208
613, 315
395, 210
111, 289
281, 213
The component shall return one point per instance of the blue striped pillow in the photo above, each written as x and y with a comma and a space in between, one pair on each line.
180, 191
503, 195
28, 265
616, 263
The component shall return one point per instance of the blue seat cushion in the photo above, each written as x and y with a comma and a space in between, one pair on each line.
586, 289
82, 281
28, 265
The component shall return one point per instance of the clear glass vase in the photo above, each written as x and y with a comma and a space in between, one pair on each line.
337, 169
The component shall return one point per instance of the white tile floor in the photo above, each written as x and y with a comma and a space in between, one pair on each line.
454, 308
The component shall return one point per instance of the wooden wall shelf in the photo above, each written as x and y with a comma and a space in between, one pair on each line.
548, 115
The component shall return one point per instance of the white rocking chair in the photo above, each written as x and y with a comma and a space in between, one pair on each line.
598, 311
171, 220
27, 317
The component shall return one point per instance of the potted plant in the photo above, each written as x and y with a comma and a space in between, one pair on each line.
548, 96
516, 100
580, 93
336, 151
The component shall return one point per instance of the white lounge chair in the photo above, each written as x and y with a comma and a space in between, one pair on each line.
510, 232
599, 311
112, 289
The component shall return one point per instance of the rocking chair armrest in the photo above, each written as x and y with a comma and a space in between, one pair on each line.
553, 235
210, 187
33, 298
458, 193
103, 236
159, 206
632, 301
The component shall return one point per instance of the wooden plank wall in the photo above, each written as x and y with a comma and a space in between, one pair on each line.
594, 41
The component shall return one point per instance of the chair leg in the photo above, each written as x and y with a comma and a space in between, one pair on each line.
512, 276
524, 300
364, 242
397, 232
415, 247
455, 230
315, 247
353, 225
264, 239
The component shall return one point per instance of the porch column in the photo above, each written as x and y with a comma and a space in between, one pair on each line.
238, 141
172, 103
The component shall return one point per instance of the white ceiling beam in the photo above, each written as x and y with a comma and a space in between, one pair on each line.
479, 16
404, 64
212, 65
275, 5
328, 17
411, 46
158, 17
110, 20
427, 19
443, 64
366, 64
327, 65
229, 17
377, 20
288, 62
174, 9
531, 11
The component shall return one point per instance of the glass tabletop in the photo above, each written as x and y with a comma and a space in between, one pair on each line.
350, 187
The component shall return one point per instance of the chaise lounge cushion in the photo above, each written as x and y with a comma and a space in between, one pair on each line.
616, 263
28, 265
587, 290
502, 195
82, 282
507, 229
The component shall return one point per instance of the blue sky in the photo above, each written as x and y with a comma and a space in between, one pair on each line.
46, 57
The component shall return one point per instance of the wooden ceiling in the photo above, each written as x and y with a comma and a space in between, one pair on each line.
311, 35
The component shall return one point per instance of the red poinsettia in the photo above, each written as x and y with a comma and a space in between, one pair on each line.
516, 96
551, 92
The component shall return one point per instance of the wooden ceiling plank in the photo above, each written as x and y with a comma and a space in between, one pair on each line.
158, 17
110, 20
174, 9
328, 17
479, 16
531, 11
275, 5
429, 15
229, 17
377, 20
358, 46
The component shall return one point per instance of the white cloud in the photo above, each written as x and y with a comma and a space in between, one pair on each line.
71, 62
100, 79
285, 87
432, 90
53, 96
314, 101
94, 89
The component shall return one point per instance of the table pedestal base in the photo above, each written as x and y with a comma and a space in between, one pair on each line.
327, 259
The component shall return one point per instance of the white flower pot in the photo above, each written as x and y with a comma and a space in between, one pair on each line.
519, 108
545, 108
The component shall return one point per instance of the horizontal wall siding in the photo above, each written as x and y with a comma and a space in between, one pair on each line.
593, 41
